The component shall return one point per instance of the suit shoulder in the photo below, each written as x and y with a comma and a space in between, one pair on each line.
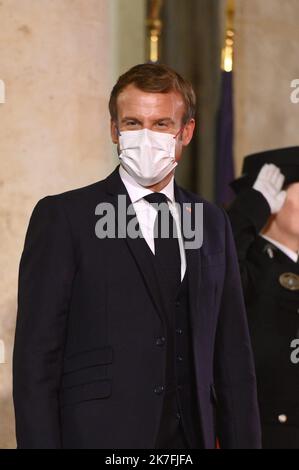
53, 207
81, 192
76, 195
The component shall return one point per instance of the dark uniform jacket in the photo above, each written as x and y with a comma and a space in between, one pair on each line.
271, 288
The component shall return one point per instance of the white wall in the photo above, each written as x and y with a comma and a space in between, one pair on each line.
267, 38
59, 60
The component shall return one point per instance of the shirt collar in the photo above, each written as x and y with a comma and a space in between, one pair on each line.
287, 251
137, 192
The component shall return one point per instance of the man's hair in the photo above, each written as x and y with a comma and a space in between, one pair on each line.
155, 78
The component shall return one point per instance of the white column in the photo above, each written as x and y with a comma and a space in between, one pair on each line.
58, 62
266, 62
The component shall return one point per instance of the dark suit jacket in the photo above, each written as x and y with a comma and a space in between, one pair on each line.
86, 362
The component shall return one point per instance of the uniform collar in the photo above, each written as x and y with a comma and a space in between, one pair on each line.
293, 255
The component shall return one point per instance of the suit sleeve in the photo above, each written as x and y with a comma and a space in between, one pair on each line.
238, 421
46, 272
248, 215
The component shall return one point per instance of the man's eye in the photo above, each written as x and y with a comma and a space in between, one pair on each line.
131, 123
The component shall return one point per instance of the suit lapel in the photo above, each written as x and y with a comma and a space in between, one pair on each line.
193, 256
138, 247
146, 266
143, 256
193, 261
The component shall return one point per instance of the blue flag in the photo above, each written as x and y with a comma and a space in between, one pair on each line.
224, 157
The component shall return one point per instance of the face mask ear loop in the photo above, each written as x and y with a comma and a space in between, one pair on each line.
118, 131
179, 131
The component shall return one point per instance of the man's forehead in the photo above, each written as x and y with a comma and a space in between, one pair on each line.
132, 98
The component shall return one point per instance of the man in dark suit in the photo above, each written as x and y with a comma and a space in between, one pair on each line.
265, 222
134, 342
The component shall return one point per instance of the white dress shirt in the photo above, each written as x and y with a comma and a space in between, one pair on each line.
287, 251
146, 213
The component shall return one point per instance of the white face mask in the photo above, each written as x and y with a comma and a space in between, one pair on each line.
146, 155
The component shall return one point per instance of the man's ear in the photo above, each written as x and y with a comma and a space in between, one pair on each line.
187, 132
113, 132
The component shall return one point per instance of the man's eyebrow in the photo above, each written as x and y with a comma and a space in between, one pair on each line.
128, 118
166, 119
131, 118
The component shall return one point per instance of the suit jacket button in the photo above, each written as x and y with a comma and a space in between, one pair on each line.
282, 418
160, 341
159, 389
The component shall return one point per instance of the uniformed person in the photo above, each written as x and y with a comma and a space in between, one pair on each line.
265, 222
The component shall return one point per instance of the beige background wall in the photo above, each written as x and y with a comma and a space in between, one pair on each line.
266, 61
58, 60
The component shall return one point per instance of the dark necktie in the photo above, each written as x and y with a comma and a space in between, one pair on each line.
167, 251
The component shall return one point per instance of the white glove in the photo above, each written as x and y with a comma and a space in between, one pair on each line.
269, 182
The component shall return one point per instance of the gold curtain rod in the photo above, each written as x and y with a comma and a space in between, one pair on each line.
154, 28
227, 58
